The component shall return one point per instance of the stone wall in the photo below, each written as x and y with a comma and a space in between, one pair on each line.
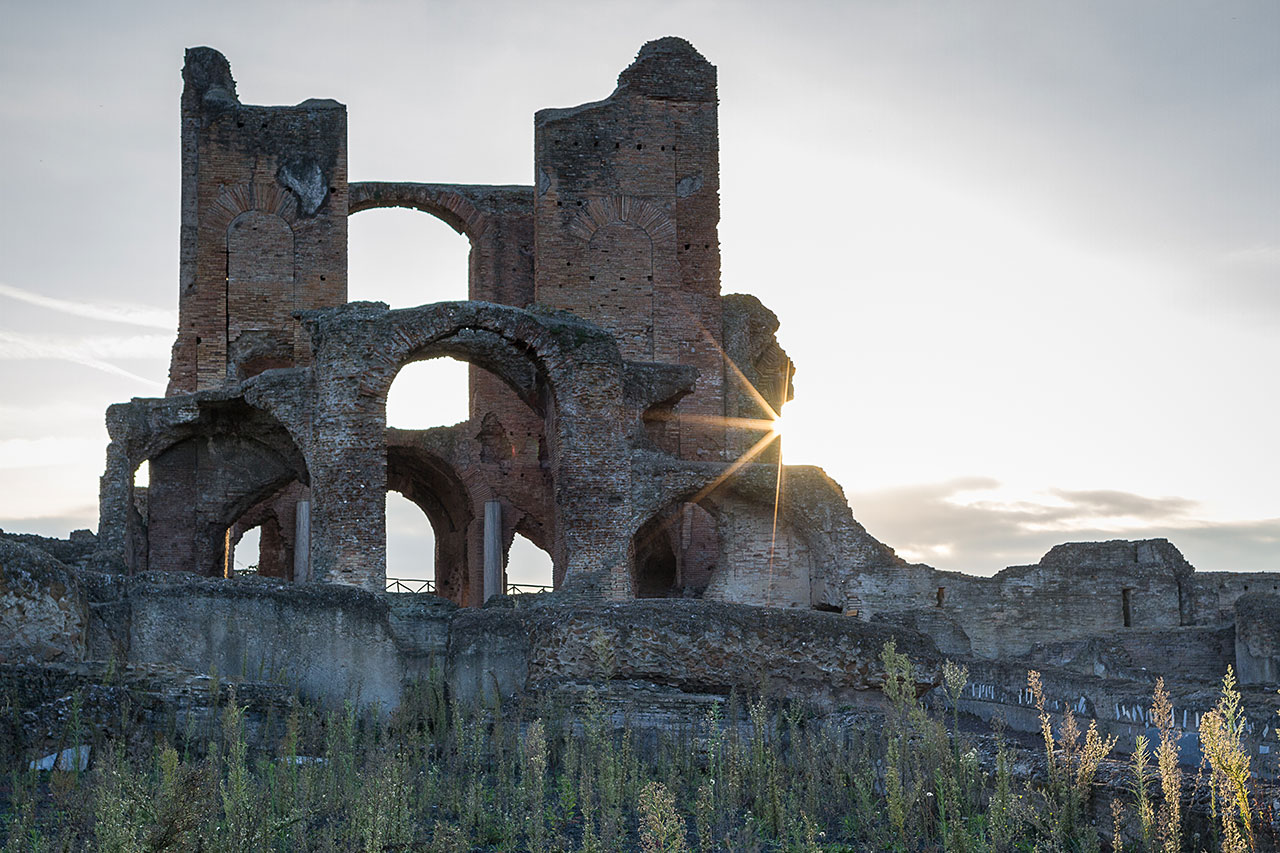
1258, 638
1076, 590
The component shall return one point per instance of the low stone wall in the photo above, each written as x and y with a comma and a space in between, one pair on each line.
336, 644
330, 642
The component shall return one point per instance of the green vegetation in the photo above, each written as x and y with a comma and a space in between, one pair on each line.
751, 776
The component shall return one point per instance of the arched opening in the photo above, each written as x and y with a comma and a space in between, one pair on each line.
429, 518
405, 258
480, 481
411, 547
264, 540
196, 490
529, 568
675, 553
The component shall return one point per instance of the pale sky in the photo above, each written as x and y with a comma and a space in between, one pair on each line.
1026, 256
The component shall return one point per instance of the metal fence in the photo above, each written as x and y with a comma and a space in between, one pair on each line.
415, 586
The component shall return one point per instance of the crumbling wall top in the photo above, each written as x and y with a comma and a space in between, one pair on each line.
670, 69
206, 76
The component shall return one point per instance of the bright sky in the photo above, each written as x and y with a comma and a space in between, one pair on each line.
1026, 255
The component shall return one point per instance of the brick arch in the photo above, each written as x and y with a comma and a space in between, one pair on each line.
434, 485
262, 196
608, 210
359, 349
439, 200
213, 459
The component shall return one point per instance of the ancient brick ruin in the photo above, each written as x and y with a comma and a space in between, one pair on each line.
612, 385
620, 418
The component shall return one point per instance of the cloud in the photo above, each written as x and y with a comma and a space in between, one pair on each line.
974, 525
91, 351
112, 312
49, 452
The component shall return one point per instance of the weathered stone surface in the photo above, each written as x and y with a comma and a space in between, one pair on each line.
1077, 590
1258, 638
708, 647
43, 611
131, 703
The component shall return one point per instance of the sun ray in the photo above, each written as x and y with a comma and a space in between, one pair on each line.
777, 498
751, 453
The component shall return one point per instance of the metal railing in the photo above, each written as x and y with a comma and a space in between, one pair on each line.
412, 586
415, 586
513, 588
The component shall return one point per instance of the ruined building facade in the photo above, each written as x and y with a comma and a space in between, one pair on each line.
621, 407
621, 412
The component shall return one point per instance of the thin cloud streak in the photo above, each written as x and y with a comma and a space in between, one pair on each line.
88, 351
935, 524
118, 312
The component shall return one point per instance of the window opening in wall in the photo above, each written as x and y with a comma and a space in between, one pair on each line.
411, 547
942, 592
1126, 601
247, 553
529, 568
405, 258
428, 394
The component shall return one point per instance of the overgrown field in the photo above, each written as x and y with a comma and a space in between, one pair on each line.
438, 776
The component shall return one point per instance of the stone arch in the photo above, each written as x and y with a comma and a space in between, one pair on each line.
441, 201
212, 456
675, 552
431, 482
568, 370
813, 511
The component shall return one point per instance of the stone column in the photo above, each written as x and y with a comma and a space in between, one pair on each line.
302, 542
492, 549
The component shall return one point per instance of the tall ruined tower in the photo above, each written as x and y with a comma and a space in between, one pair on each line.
625, 221
263, 235
264, 227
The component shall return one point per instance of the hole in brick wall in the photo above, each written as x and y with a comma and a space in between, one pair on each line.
428, 394
405, 258
246, 556
639, 146
411, 540
527, 564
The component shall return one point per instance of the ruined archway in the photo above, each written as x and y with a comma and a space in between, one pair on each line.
566, 370
211, 461
429, 481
